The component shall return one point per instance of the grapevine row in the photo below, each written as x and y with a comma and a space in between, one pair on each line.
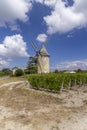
56, 82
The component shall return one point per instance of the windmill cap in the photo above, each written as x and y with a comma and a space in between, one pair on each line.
43, 51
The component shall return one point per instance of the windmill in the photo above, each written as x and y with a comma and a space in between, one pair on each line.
42, 58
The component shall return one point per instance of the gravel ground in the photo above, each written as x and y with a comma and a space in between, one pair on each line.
22, 108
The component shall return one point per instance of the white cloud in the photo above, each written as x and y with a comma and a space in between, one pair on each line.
3, 63
69, 35
65, 18
13, 46
42, 38
73, 65
62, 18
39, 1
50, 3
47, 2
12, 10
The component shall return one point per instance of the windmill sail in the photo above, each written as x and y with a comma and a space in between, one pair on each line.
34, 47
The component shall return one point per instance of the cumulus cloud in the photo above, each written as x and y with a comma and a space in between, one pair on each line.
69, 35
39, 1
73, 65
13, 46
3, 63
12, 10
50, 3
64, 18
42, 38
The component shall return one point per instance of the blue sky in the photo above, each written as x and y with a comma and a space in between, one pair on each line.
62, 22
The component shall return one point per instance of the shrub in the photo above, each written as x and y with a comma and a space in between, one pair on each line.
56, 71
2, 74
7, 71
19, 72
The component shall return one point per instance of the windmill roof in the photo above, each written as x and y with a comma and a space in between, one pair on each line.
14, 68
43, 51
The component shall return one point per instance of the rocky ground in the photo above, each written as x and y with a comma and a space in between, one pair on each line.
22, 108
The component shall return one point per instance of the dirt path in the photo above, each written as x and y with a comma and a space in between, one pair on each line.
22, 108
11, 83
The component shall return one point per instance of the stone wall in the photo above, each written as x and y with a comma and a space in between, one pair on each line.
43, 64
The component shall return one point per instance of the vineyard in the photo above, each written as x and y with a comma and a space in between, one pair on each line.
56, 82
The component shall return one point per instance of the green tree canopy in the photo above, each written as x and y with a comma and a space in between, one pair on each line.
7, 71
19, 72
31, 65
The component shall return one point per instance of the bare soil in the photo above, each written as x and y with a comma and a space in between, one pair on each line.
22, 108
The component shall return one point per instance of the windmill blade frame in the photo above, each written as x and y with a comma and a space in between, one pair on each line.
34, 46
39, 55
44, 43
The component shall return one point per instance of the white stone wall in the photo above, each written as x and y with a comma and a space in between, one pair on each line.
43, 64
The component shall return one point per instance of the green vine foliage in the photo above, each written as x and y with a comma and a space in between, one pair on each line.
54, 81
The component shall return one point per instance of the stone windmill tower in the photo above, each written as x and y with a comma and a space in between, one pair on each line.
43, 59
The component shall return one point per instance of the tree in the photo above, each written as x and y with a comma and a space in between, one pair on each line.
32, 65
7, 71
19, 72
56, 71
79, 71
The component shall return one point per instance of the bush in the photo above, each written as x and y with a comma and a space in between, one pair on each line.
2, 74
56, 71
7, 71
19, 72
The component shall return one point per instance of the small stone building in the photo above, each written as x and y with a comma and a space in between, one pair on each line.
43, 61
14, 69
